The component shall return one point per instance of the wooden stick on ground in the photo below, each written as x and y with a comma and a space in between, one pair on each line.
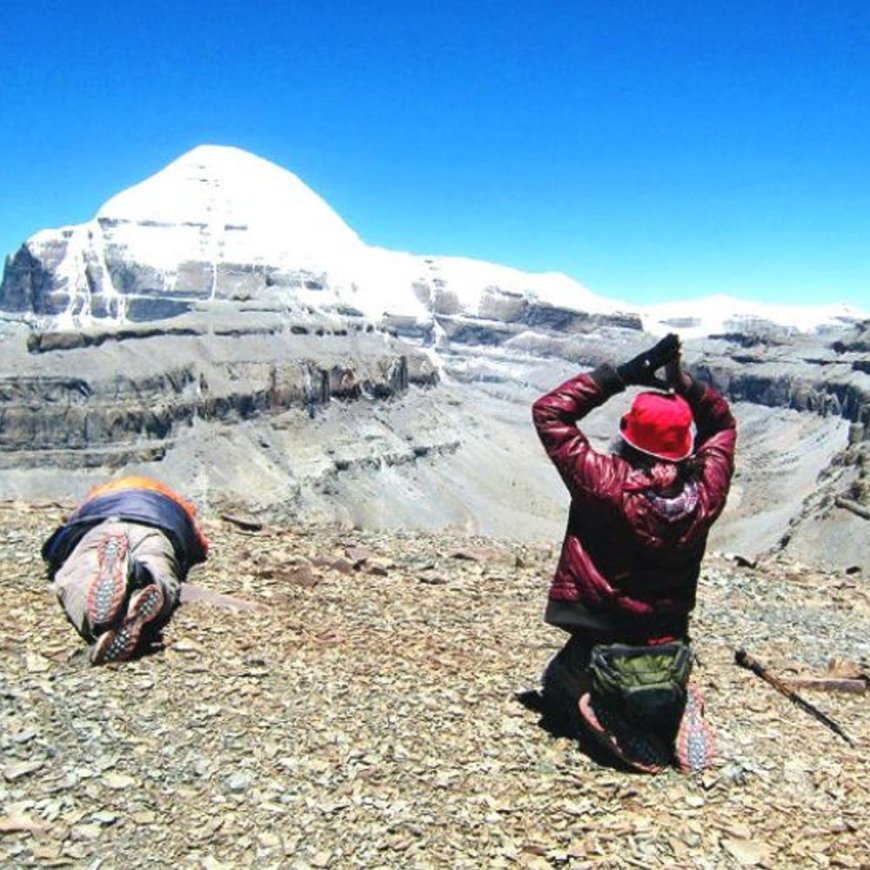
746, 661
851, 685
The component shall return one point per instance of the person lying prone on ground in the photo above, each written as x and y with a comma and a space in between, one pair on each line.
117, 564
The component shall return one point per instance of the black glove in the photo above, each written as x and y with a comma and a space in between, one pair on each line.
641, 370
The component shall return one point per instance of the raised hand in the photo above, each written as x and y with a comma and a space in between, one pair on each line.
676, 378
641, 370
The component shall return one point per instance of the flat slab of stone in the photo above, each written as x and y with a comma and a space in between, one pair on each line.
191, 594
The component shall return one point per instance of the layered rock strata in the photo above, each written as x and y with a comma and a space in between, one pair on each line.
111, 397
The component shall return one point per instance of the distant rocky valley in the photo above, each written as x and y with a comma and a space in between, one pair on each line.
251, 414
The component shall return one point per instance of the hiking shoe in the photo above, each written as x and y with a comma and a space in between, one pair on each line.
695, 745
108, 589
637, 749
121, 643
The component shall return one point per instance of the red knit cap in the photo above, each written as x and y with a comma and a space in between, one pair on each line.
659, 424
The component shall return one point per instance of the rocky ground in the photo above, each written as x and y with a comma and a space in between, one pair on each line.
364, 713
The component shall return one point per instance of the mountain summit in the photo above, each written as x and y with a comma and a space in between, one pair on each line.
217, 222
220, 223
229, 205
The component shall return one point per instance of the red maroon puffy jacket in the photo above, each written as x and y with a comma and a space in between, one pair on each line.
629, 552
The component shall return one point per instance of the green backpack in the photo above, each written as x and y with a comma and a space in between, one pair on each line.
646, 684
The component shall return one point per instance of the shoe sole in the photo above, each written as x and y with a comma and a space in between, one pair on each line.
108, 589
695, 746
641, 752
121, 643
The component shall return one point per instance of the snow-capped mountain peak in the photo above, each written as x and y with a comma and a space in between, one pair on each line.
255, 211
221, 223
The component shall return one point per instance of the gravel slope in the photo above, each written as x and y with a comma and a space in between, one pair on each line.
365, 715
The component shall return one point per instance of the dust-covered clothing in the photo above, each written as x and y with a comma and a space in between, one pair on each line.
151, 559
135, 500
117, 564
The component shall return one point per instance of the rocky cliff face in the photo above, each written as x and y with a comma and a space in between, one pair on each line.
220, 326
110, 397
821, 373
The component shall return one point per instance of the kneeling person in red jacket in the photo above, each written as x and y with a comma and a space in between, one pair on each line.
628, 571
117, 564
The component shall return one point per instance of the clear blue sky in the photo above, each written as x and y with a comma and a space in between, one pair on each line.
652, 150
